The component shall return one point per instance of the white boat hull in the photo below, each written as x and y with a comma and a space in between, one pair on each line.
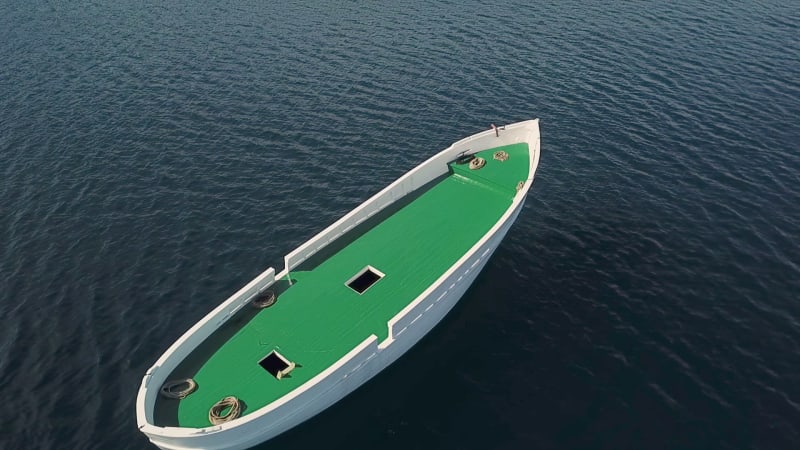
351, 371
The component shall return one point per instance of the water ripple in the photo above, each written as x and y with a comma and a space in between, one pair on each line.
156, 158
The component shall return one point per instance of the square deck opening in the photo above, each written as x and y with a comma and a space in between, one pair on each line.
364, 279
276, 364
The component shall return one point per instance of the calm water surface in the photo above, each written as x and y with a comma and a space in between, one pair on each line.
154, 157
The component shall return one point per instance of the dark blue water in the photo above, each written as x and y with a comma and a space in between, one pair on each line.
154, 157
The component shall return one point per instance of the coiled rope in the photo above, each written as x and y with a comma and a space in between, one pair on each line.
501, 155
178, 388
477, 163
225, 410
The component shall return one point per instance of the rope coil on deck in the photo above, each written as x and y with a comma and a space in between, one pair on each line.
178, 389
225, 410
501, 155
265, 300
477, 163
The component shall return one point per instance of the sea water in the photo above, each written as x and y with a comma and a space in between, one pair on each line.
154, 157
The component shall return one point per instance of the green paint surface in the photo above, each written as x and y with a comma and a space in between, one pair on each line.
319, 319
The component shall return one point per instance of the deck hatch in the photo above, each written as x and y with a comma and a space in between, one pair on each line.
364, 279
276, 364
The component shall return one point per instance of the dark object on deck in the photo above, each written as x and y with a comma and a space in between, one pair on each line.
265, 300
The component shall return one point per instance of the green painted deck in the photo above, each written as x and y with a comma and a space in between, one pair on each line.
319, 319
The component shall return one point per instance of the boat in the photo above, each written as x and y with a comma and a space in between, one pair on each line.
348, 302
